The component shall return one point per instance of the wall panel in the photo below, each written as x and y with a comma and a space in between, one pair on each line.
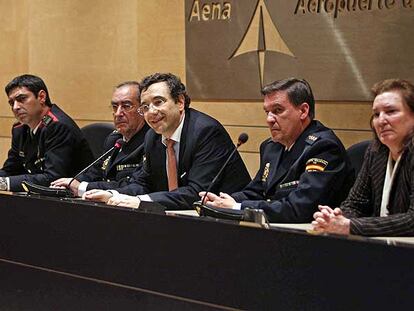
14, 46
161, 37
83, 49
4, 147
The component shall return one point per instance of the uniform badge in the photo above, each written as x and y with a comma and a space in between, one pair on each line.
47, 119
39, 161
311, 139
266, 172
121, 167
316, 165
289, 184
144, 162
105, 163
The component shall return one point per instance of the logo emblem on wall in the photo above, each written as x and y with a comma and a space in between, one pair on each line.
234, 47
261, 36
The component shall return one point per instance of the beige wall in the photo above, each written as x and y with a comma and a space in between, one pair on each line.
82, 49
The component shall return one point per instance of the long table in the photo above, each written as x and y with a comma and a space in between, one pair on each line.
62, 254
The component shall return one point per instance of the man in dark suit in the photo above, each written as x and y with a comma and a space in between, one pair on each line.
115, 170
46, 142
184, 150
301, 165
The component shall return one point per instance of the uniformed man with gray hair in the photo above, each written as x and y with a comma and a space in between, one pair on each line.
302, 165
116, 169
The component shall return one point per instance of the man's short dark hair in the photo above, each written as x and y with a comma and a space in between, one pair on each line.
298, 91
174, 83
130, 83
33, 83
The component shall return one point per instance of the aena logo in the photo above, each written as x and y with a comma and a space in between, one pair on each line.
261, 36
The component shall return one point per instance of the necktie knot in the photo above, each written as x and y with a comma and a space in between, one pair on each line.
170, 143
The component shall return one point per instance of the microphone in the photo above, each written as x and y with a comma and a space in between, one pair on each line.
118, 145
243, 137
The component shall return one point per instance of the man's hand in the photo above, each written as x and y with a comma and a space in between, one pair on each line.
331, 221
223, 201
124, 200
97, 195
63, 183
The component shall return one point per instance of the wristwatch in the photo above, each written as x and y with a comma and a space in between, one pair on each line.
3, 183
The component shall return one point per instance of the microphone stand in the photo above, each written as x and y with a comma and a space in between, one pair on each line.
218, 175
117, 145
242, 139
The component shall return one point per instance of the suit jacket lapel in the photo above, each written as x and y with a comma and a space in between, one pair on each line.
184, 156
158, 161
276, 172
112, 161
400, 191
378, 177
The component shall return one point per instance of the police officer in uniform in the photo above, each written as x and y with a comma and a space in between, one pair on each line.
46, 142
115, 170
302, 165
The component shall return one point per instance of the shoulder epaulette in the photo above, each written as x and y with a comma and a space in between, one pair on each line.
17, 124
48, 118
312, 138
114, 134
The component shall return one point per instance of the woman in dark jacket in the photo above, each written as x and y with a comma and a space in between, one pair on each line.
381, 202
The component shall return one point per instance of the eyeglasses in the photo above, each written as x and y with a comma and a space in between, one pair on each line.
155, 105
126, 107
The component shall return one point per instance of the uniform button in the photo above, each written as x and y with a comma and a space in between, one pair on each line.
268, 200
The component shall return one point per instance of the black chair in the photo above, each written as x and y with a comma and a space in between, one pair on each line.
356, 154
95, 134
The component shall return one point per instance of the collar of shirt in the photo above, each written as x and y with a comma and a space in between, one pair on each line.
290, 147
35, 129
390, 170
177, 134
